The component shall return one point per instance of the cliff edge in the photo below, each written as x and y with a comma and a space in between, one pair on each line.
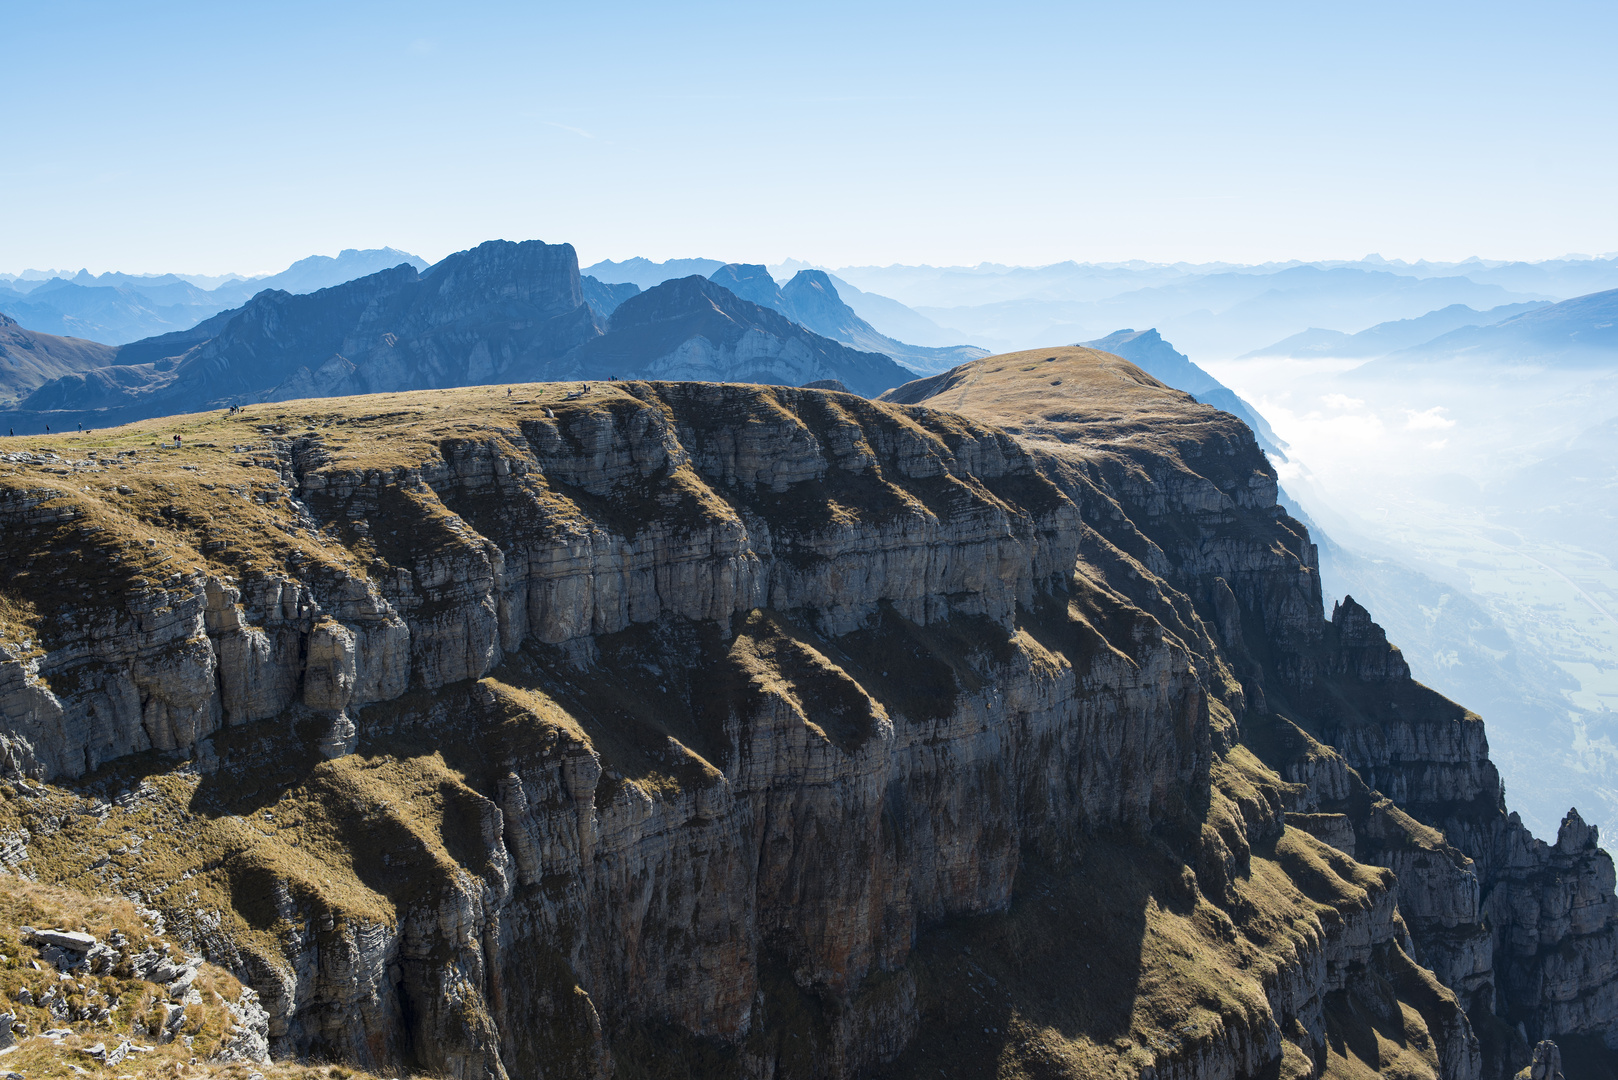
686, 729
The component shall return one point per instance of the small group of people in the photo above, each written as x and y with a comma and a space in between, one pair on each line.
233, 410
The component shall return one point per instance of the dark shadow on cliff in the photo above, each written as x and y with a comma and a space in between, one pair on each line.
1055, 976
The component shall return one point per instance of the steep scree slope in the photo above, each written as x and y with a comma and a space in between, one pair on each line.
707, 730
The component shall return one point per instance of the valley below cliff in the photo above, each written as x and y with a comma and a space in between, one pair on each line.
672, 729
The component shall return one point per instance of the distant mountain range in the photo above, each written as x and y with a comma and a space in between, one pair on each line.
1213, 310
1387, 337
119, 308
1227, 314
28, 359
645, 273
1577, 332
501, 312
986, 283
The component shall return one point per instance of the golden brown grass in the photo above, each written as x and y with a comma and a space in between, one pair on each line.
26, 903
1068, 391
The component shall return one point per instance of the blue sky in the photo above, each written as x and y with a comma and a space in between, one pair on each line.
223, 137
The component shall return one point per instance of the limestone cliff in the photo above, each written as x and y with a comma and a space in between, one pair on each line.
1391, 772
702, 730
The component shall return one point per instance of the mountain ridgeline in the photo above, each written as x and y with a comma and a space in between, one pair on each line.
499, 313
29, 358
120, 308
693, 729
810, 299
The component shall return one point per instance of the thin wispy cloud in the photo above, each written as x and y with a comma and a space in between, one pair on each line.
564, 127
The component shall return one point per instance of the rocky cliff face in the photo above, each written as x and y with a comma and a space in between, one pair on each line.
1392, 773
689, 729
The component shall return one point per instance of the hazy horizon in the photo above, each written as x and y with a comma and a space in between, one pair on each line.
990, 265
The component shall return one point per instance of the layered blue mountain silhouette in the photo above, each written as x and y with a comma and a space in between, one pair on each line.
119, 308
501, 312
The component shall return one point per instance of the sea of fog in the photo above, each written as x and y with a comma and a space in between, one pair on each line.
1472, 509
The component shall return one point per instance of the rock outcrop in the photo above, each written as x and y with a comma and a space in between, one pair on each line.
695, 729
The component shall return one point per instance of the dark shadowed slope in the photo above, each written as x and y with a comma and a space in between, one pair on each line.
29, 359
692, 328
